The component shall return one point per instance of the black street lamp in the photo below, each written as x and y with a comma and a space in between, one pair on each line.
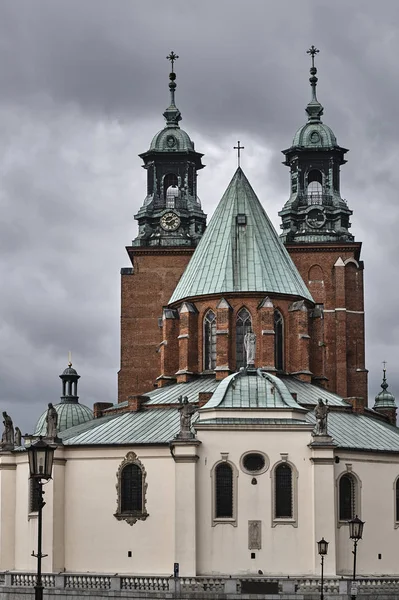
322, 548
355, 533
41, 457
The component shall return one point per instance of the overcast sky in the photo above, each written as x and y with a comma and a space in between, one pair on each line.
83, 85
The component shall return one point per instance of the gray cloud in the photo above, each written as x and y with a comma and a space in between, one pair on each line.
82, 89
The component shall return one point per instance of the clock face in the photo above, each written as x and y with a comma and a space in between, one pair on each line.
315, 218
170, 221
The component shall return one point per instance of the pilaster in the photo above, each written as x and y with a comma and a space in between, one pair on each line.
223, 339
7, 510
188, 340
266, 314
340, 329
299, 341
169, 347
185, 455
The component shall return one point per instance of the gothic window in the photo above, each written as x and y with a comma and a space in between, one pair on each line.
34, 495
170, 189
278, 340
131, 490
348, 497
209, 341
224, 493
243, 326
315, 187
284, 477
283, 492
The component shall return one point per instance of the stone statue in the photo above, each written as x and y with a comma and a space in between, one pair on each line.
17, 436
321, 412
250, 347
52, 421
186, 412
7, 439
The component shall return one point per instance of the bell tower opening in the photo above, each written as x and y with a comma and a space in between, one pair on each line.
314, 190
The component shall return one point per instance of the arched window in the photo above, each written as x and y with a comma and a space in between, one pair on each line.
170, 189
243, 326
283, 501
131, 488
209, 341
278, 341
315, 187
347, 496
223, 491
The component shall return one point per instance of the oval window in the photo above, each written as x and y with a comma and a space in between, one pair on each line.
254, 463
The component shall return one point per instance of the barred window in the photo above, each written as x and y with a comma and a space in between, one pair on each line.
209, 341
223, 491
283, 492
278, 340
131, 489
397, 500
34, 495
243, 326
347, 498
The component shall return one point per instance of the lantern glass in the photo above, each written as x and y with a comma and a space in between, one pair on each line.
356, 528
322, 547
41, 457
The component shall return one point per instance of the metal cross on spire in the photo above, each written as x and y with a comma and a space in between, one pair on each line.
384, 362
238, 148
312, 51
172, 57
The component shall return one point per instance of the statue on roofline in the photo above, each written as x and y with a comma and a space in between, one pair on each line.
250, 348
7, 438
321, 412
186, 412
52, 421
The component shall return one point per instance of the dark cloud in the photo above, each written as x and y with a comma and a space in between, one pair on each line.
82, 89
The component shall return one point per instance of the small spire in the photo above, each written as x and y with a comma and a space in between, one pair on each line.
384, 384
69, 359
172, 113
314, 108
238, 148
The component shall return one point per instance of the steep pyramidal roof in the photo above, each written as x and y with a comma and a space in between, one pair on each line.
240, 251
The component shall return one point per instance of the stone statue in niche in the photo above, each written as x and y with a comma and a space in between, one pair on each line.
250, 347
17, 437
186, 412
7, 439
321, 412
52, 421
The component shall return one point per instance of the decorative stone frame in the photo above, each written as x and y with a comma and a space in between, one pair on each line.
133, 516
227, 520
395, 513
294, 471
357, 495
254, 473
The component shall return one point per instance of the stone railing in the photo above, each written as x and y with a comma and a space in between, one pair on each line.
96, 586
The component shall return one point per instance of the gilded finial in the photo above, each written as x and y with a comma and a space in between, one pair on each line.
69, 359
238, 148
384, 384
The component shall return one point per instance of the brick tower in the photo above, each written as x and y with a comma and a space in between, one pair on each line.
315, 224
171, 223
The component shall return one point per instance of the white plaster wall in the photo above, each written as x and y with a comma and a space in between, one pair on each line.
94, 540
223, 549
25, 524
377, 474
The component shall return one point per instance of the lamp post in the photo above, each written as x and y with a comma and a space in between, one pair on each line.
322, 548
355, 533
41, 457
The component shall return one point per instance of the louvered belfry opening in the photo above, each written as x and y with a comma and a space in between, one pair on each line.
224, 491
283, 491
131, 489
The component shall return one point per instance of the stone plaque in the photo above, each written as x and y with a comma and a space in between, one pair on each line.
254, 535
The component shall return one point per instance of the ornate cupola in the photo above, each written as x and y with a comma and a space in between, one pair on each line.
385, 401
315, 210
171, 214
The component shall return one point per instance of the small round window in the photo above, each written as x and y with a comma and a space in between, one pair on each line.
254, 463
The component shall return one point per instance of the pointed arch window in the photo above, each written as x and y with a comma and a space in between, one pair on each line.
210, 341
131, 490
278, 340
243, 326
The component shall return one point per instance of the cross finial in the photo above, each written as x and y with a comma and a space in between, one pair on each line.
172, 57
238, 148
384, 362
312, 51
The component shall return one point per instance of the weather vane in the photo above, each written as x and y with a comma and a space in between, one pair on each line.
312, 51
238, 148
172, 57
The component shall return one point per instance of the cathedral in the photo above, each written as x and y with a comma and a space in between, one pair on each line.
242, 432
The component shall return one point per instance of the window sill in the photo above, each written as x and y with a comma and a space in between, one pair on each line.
33, 515
285, 521
226, 521
132, 517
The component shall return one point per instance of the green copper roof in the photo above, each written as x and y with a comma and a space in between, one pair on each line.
315, 135
384, 399
69, 415
252, 390
240, 251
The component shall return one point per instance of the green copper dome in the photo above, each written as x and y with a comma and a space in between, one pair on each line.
384, 399
69, 415
171, 139
314, 135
